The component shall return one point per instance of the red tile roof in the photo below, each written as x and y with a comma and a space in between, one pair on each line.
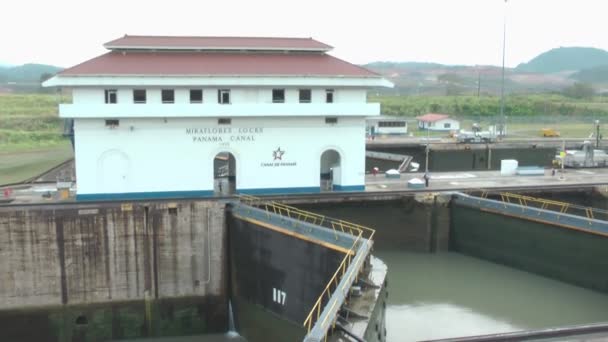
432, 117
216, 43
216, 64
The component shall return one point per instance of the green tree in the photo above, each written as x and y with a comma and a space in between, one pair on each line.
579, 90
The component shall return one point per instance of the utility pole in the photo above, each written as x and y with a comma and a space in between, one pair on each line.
597, 133
502, 88
478, 82
426, 161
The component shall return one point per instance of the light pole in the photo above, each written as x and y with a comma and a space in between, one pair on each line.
426, 160
597, 133
502, 86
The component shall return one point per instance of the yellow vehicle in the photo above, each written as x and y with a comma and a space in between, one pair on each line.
549, 132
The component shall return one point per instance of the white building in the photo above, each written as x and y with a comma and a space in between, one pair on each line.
386, 125
162, 117
437, 122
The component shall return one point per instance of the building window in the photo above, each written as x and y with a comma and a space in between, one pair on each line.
139, 96
112, 123
223, 96
224, 121
305, 95
278, 95
111, 96
331, 120
391, 124
196, 96
446, 125
167, 95
329, 96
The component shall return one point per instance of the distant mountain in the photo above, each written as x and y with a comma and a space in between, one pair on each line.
26, 73
597, 74
565, 59
414, 78
403, 65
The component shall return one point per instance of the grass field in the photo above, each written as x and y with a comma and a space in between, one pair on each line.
31, 138
526, 115
17, 166
515, 106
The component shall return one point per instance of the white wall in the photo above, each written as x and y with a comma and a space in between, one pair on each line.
156, 155
439, 125
385, 130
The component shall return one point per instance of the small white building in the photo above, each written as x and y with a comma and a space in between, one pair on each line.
168, 117
386, 125
437, 122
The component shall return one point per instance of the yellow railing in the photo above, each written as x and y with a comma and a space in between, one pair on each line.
330, 288
541, 203
305, 216
547, 204
356, 230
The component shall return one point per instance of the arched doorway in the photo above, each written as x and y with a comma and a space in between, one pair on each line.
330, 170
224, 174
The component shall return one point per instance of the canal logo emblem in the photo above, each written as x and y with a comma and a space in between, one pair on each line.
278, 154
277, 159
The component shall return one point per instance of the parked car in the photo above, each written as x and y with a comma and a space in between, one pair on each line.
549, 132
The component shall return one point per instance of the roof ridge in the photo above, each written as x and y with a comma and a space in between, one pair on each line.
356, 65
177, 36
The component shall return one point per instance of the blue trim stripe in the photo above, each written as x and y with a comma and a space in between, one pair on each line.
269, 191
144, 195
349, 187
209, 193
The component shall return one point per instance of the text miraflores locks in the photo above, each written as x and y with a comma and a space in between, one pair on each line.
224, 134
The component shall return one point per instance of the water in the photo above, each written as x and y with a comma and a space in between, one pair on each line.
227, 337
231, 327
449, 295
230, 336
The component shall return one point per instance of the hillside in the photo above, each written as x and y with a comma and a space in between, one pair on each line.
565, 59
27, 73
412, 78
598, 74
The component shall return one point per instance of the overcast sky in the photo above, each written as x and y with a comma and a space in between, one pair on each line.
67, 32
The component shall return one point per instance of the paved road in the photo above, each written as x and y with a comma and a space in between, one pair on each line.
511, 142
488, 180
379, 183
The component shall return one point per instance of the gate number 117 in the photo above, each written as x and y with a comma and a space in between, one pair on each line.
278, 296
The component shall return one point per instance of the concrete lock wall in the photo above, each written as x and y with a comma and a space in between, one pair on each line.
415, 223
138, 258
457, 158
569, 255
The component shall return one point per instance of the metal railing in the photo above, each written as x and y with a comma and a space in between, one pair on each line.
547, 204
330, 288
357, 231
285, 210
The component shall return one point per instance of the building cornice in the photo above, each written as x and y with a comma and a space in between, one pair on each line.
208, 80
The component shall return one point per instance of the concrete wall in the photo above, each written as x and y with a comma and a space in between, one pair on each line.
173, 157
475, 158
412, 223
62, 258
565, 254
